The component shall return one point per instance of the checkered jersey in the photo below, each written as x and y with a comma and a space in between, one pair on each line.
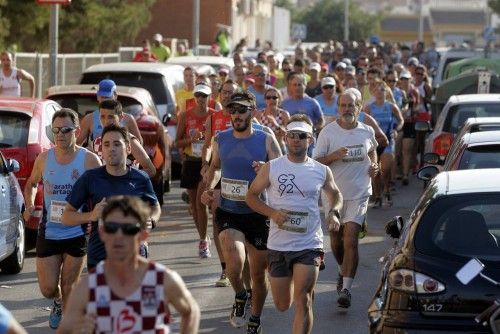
143, 311
266, 122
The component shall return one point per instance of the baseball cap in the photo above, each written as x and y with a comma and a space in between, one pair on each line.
405, 75
242, 100
413, 61
157, 37
107, 88
346, 61
328, 81
350, 69
224, 70
299, 126
341, 65
315, 66
202, 88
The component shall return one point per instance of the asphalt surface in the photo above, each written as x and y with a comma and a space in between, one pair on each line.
174, 243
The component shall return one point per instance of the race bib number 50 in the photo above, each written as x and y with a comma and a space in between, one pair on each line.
296, 222
234, 190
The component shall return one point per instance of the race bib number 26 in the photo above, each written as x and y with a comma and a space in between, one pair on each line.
234, 190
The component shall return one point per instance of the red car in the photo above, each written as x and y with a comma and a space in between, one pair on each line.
23, 123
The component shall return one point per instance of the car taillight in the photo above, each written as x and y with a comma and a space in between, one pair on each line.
414, 282
442, 144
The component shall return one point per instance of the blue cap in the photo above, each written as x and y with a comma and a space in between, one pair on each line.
107, 88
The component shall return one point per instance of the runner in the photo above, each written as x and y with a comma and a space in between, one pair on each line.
60, 250
348, 146
239, 153
96, 185
126, 293
11, 77
295, 243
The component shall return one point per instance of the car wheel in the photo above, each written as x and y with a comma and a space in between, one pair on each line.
15, 262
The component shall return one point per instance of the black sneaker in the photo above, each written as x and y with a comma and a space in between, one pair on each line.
253, 328
239, 312
185, 197
340, 283
344, 299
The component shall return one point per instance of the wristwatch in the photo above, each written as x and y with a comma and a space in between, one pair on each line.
335, 212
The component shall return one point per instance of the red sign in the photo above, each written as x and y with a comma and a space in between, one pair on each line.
54, 2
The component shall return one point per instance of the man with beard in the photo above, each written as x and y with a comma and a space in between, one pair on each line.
295, 242
348, 147
238, 153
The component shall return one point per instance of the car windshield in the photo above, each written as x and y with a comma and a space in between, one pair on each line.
152, 82
457, 115
464, 225
87, 103
484, 156
14, 129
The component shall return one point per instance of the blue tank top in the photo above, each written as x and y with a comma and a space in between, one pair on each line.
96, 125
328, 110
398, 97
236, 156
58, 182
383, 115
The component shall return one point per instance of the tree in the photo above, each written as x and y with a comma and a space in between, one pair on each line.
84, 26
494, 5
325, 21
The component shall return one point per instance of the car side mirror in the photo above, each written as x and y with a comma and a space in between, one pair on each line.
432, 158
394, 227
50, 135
422, 126
166, 118
13, 165
427, 173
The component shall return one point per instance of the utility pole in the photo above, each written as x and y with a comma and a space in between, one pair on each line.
54, 37
421, 20
346, 20
196, 26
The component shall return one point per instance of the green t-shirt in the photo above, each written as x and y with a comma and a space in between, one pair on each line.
162, 52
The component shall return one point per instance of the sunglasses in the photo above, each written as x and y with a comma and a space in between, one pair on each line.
419, 73
238, 109
127, 229
261, 75
328, 87
197, 95
286, 70
295, 135
272, 97
63, 129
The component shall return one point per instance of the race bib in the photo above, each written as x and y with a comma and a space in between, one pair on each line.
355, 153
296, 222
56, 210
234, 190
196, 147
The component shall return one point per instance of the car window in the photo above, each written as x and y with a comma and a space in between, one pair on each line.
152, 82
463, 225
14, 128
84, 104
484, 156
458, 114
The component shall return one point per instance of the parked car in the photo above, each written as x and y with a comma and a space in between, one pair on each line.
135, 101
159, 79
455, 219
23, 135
197, 61
453, 116
12, 242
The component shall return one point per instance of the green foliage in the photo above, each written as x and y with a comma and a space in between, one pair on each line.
84, 26
325, 21
494, 5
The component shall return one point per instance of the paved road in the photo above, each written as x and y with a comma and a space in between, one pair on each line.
174, 243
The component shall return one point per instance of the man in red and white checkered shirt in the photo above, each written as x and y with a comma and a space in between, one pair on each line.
126, 293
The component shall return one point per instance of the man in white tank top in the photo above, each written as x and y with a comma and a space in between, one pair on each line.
126, 293
295, 244
11, 77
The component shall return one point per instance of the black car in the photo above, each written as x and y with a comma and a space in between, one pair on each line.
12, 240
455, 219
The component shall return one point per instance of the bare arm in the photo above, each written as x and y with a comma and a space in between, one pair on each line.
379, 134
259, 184
273, 148
92, 160
84, 129
71, 217
177, 294
212, 175
132, 127
180, 140
142, 157
75, 312
32, 183
399, 117
335, 198
156, 212
22, 74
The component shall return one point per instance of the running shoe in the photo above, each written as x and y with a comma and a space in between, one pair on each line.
344, 299
185, 197
253, 328
387, 200
340, 283
249, 300
203, 250
364, 230
405, 181
239, 313
55, 316
223, 281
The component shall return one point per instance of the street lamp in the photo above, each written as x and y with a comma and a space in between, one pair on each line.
346, 20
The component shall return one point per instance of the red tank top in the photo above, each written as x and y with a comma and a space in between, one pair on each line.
195, 123
220, 121
191, 103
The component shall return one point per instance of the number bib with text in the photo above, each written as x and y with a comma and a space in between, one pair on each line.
296, 222
234, 190
56, 210
196, 147
355, 153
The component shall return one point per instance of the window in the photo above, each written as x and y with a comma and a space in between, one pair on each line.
485, 156
458, 114
13, 129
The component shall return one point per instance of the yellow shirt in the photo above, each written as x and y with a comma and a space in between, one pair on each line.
181, 96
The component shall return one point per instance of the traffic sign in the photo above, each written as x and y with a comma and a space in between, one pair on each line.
299, 31
54, 2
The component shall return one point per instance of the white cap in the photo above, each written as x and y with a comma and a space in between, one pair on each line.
202, 88
346, 61
328, 81
157, 37
413, 61
405, 75
315, 66
299, 126
341, 64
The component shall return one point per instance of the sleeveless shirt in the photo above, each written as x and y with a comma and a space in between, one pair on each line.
10, 85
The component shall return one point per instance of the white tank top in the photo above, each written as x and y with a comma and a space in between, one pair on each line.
296, 187
10, 85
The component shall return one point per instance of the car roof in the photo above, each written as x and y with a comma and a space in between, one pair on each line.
466, 181
19, 104
201, 60
92, 89
483, 137
469, 98
135, 67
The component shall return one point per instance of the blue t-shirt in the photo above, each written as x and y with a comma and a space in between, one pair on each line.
5, 319
259, 97
328, 110
97, 183
305, 105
